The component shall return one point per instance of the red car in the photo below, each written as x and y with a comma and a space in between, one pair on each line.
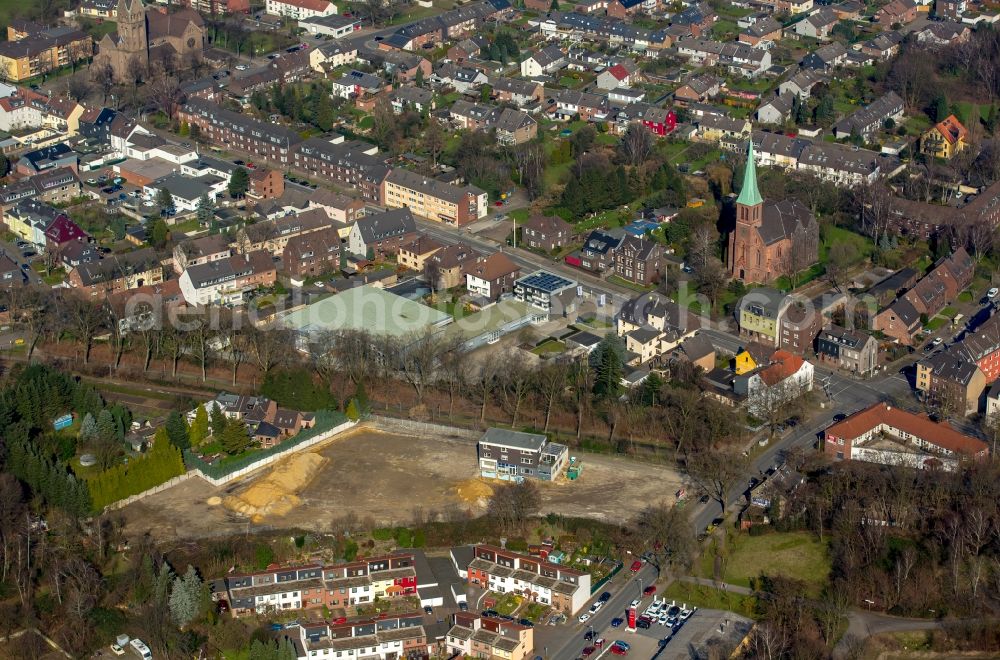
588, 651
649, 591
636, 565
618, 650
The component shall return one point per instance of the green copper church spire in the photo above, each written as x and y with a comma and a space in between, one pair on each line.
749, 195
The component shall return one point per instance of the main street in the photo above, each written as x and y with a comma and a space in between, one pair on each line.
554, 643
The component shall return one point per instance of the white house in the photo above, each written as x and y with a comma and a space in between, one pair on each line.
300, 9
786, 378
548, 60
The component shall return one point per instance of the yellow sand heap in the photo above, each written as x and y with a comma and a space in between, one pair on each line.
474, 491
214, 500
275, 494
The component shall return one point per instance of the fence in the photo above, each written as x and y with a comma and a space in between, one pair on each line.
328, 423
607, 578
326, 427
395, 425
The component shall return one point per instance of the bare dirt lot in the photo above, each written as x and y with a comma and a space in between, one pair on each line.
388, 477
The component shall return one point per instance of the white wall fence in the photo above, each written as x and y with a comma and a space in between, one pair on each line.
235, 474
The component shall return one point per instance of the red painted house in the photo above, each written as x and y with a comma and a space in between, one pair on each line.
660, 121
63, 231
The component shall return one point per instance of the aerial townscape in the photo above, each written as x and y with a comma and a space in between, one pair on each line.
500, 329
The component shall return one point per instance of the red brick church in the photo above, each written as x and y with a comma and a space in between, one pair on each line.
768, 234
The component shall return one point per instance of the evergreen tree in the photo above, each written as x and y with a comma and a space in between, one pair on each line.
206, 210
164, 199
352, 410
609, 367
940, 107
107, 430
177, 430
159, 232
186, 597
161, 586
218, 419
199, 427
88, 428
239, 183
235, 437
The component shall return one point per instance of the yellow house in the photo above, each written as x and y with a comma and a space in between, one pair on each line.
414, 255
744, 363
945, 139
33, 55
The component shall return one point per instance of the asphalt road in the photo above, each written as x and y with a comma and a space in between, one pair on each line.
14, 253
564, 642
529, 261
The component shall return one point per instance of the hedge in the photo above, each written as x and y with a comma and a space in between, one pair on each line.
325, 420
162, 463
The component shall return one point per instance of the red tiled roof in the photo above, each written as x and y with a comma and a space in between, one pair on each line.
921, 426
784, 365
619, 72
951, 129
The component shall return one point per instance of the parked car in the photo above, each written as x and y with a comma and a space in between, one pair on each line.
242, 67
588, 650
618, 650
428, 609
636, 565
617, 621
649, 591
605, 597
527, 622
117, 650
635, 603
589, 635
599, 643
584, 617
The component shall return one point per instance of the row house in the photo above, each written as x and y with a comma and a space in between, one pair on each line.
226, 281
300, 9
896, 12
949, 277
699, 89
117, 273
582, 27
314, 586
387, 637
653, 325
358, 85
380, 235
469, 116
943, 33
195, 251
522, 93
867, 121
332, 55
537, 580
964, 369
839, 164
340, 208
238, 131
449, 264
825, 58
718, 127
765, 31
473, 636
273, 235
926, 220
887, 435
571, 103
415, 98
346, 163
414, 254
433, 199
313, 254
55, 186
852, 350
598, 250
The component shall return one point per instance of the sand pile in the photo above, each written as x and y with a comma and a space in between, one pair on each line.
214, 500
474, 491
275, 494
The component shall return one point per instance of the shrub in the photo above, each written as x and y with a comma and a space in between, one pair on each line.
404, 538
383, 533
263, 556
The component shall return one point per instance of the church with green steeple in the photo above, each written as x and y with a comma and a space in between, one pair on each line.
770, 239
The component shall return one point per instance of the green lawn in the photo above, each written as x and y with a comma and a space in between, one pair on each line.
708, 597
627, 284
520, 215
949, 312
796, 555
534, 612
551, 346
965, 297
507, 603
935, 323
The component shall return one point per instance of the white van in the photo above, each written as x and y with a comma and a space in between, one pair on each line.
140, 647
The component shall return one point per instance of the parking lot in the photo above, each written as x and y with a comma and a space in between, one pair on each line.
597, 636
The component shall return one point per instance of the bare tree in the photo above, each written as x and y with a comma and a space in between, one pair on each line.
551, 382
454, 372
84, 319
484, 384
165, 92
716, 471
419, 360
104, 76
78, 88
516, 381
268, 347
511, 505
637, 144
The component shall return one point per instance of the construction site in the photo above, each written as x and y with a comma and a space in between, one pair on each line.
389, 479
